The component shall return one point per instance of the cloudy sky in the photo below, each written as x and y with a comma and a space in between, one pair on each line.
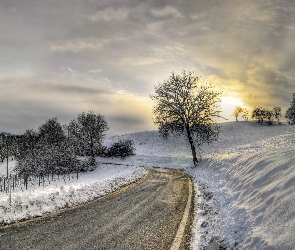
62, 57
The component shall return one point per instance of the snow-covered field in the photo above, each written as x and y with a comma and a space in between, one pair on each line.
245, 183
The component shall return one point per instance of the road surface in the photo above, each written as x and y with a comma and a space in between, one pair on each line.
145, 216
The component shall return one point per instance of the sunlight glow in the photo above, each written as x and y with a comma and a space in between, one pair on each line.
228, 105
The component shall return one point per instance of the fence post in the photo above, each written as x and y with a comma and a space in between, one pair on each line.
7, 154
26, 181
10, 200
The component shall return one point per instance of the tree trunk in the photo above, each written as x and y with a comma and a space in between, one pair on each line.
92, 153
191, 142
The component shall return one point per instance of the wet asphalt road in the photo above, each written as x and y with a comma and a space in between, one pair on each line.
145, 216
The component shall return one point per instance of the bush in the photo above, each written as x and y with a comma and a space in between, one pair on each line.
43, 158
121, 149
86, 165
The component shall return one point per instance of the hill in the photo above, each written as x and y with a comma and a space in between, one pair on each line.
234, 137
245, 183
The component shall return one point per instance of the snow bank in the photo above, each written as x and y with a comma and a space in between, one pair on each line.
255, 196
37, 201
253, 189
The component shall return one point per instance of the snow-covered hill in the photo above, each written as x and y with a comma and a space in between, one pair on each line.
246, 183
234, 136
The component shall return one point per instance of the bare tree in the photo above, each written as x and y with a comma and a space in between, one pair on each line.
184, 105
261, 113
88, 133
52, 131
268, 114
277, 112
258, 113
290, 112
245, 114
238, 110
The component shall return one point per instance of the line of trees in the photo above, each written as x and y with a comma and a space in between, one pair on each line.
267, 115
57, 148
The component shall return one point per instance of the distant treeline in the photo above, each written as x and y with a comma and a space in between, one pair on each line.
57, 148
266, 115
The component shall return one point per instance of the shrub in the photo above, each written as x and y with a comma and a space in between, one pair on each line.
121, 149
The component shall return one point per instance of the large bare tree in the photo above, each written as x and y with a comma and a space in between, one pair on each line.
185, 105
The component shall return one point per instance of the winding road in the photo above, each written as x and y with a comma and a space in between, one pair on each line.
142, 216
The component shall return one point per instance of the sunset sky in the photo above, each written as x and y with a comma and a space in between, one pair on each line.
62, 57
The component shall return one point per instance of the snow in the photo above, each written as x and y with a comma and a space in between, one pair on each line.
255, 192
245, 183
65, 192
3, 166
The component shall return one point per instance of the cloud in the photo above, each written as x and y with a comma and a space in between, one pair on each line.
76, 45
162, 55
32, 101
110, 14
130, 113
127, 123
95, 71
167, 11
59, 59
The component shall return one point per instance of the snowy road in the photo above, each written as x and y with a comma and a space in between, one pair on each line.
143, 217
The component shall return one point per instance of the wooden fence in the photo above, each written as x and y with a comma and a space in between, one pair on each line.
24, 182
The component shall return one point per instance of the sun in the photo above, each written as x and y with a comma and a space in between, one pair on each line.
232, 101
228, 104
